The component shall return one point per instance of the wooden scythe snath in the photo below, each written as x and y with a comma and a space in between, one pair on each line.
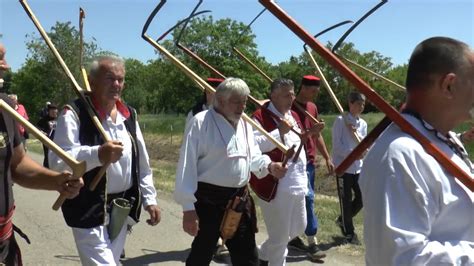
385, 122
391, 113
263, 74
198, 80
255, 67
336, 102
370, 72
78, 168
270, 80
246, 59
354, 135
212, 69
82, 16
79, 91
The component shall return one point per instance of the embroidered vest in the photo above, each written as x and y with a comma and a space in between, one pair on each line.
266, 187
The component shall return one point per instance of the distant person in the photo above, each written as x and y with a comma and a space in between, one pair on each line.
415, 211
206, 101
44, 111
22, 111
344, 131
47, 125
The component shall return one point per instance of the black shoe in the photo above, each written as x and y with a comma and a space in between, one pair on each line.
297, 244
122, 255
314, 253
352, 239
263, 262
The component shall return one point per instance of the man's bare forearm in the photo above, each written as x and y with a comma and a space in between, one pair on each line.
28, 173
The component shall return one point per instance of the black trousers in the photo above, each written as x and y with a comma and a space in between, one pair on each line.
210, 207
10, 252
346, 184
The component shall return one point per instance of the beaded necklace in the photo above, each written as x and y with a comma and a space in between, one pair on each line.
447, 139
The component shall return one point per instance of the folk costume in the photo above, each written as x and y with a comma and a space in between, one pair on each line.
9, 139
284, 210
214, 165
310, 148
130, 178
424, 215
343, 142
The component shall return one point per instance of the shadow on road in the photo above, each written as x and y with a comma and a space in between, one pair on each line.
69, 257
336, 241
156, 256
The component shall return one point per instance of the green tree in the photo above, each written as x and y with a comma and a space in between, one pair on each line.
135, 92
212, 41
41, 78
340, 86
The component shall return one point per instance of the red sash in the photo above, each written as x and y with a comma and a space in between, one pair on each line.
6, 225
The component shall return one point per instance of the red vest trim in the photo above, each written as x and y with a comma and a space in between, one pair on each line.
266, 187
6, 225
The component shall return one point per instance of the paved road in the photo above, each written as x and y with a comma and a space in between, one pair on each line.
165, 244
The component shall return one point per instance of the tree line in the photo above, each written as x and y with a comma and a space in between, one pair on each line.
157, 86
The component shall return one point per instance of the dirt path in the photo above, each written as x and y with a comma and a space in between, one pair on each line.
165, 244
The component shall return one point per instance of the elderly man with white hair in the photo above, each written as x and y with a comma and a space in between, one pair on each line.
217, 155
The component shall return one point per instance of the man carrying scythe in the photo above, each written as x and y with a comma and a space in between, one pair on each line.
21, 169
128, 177
216, 158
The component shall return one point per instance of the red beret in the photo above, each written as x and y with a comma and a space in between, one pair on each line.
310, 80
214, 82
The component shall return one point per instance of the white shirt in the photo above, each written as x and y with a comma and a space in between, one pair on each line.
214, 152
415, 213
295, 180
119, 173
343, 141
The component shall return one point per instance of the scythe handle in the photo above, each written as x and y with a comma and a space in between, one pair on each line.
78, 168
243, 57
333, 96
354, 64
203, 85
79, 91
391, 113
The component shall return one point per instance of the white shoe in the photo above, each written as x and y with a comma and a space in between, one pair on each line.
221, 252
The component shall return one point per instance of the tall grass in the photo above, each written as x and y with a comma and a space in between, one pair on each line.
162, 124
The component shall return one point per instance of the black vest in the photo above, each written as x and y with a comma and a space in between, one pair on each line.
88, 209
7, 134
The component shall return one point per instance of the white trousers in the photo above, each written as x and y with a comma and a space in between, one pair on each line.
285, 218
94, 246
